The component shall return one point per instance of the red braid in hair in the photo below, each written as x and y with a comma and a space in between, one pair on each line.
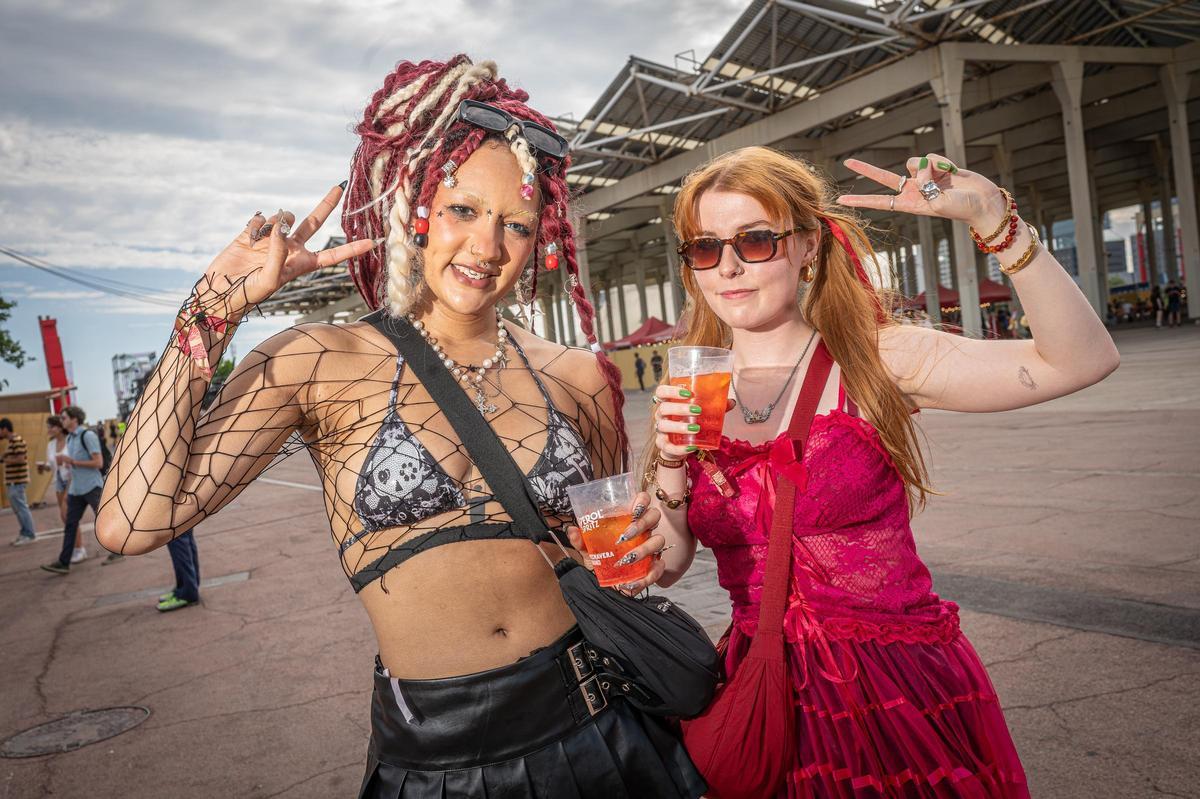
409, 130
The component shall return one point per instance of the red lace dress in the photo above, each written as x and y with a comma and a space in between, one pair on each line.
891, 699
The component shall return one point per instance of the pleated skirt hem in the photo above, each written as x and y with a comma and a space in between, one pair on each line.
620, 754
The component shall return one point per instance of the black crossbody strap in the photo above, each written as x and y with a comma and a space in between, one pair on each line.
491, 457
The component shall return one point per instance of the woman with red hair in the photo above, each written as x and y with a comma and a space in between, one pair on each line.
456, 202
890, 699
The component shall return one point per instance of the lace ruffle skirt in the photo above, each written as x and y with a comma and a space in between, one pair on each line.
899, 719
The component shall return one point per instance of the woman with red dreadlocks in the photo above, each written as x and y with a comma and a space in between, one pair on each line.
457, 197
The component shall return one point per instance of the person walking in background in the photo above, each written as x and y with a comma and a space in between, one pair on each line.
639, 366
1174, 297
1156, 304
16, 480
656, 363
57, 445
186, 562
85, 458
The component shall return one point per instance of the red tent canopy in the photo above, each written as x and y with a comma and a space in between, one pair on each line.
947, 298
649, 332
991, 291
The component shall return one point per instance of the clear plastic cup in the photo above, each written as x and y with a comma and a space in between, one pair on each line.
706, 372
604, 510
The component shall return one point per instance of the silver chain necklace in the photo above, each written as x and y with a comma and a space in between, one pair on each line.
758, 417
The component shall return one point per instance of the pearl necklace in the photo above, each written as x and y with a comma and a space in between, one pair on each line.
470, 376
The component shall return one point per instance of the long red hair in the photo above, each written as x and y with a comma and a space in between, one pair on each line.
841, 302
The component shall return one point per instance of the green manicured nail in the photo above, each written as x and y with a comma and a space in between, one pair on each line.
946, 166
683, 392
691, 448
693, 428
696, 409
924, 163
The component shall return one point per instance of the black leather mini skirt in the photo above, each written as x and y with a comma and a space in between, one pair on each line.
541, 727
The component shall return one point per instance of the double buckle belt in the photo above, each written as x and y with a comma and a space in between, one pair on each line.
587, 680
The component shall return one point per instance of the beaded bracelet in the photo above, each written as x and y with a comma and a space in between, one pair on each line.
1009, 222
1026, 256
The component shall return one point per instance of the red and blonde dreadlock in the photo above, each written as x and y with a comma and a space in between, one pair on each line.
408, 132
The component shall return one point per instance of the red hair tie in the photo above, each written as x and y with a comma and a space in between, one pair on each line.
844, 241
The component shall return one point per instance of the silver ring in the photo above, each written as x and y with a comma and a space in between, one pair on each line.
656, 399
262, 232
931, 191
892, 203
284, 228
900, 185
659, 553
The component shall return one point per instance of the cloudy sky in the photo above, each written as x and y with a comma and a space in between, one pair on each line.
136, 137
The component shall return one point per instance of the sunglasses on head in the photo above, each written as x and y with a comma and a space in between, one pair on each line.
497, 120
751, 246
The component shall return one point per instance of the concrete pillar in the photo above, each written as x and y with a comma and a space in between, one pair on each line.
662, 295
1162, 165
673, 265
947, 86
1175, 85
1067, 80
625, 331
1098, 232
1037, 214
1049, 239
639, 274
609, 299
548, 311
1151, 246
929, 268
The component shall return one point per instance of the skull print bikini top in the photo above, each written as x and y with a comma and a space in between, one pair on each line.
400, 484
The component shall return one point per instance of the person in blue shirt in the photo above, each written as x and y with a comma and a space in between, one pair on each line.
85, 458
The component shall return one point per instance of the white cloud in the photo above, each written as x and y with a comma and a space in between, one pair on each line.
139, 135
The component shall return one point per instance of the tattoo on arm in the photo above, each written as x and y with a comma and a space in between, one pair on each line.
1026, 378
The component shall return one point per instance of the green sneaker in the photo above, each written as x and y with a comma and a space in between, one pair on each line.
174, 603
169, 595
57, 568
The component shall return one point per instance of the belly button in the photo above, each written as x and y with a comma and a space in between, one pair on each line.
500, 631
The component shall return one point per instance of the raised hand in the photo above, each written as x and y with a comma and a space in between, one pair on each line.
269, 253
956, 193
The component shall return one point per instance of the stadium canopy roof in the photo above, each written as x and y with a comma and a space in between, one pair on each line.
988, 82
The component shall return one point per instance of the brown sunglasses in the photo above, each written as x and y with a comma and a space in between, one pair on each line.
751, 246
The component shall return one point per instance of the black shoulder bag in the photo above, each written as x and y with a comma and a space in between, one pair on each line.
647, 649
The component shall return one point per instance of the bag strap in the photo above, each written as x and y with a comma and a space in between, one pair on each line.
779, 546
491, 457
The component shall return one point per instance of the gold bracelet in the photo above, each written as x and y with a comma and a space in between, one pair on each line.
672, 504
659, 460
1010, 208
1026, 256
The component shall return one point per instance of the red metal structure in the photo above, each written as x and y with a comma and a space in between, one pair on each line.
55, 367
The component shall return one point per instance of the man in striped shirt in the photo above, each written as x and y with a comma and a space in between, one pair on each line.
16, 480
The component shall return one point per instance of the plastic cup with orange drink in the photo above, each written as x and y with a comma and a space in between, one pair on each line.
604, 510
706, 372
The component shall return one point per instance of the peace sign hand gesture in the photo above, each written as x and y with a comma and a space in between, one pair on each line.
934, 186
268, 253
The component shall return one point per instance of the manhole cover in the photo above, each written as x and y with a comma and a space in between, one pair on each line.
73, 730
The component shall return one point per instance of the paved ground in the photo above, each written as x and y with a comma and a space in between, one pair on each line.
1069, 533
